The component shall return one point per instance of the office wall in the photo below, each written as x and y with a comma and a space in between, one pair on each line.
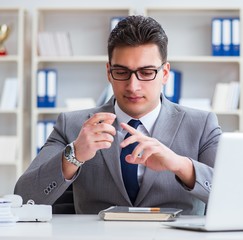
138, 4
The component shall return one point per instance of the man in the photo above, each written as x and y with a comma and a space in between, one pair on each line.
176, 148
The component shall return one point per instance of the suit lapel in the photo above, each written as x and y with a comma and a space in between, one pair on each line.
165, 129
112, 159
111, 155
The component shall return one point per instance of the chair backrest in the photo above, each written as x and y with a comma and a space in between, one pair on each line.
64, 204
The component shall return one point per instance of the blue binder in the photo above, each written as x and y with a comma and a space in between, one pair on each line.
172, 89
217, 49
46, 88
44, 128
40, 135
115, 21
227, 36
235, 37
51, 78
41, 88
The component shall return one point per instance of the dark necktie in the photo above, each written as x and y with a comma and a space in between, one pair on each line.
129, 171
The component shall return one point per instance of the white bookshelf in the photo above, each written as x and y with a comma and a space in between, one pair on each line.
189, 51
84, 73
11, 120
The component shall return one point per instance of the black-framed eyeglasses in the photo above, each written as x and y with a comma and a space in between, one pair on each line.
142, 74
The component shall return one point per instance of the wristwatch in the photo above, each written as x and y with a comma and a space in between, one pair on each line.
69, 154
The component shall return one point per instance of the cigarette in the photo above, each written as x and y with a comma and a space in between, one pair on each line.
141, 209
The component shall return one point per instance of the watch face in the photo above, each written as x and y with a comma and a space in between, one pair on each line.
68, 151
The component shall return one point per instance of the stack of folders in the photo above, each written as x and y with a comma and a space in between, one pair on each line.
44, 129
46, 88
172, 89
226, 96
121, 213
6, 216
54, 44
226, 36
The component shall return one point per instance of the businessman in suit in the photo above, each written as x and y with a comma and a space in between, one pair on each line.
176, 149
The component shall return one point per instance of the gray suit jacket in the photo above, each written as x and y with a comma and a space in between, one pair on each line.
98, 183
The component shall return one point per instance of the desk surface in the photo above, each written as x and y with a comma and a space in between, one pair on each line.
90, 227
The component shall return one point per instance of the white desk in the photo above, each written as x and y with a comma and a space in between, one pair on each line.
90, 227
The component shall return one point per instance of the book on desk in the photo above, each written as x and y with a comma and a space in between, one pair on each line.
121, 213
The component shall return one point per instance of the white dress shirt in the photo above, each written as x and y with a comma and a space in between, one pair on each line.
146, 128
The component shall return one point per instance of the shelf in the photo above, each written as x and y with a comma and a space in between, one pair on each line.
12, 120
9, 58
73, 59
2, 163
101, 58
204, 59
40, 111
81, 75
235, 112
10, 111
190, 52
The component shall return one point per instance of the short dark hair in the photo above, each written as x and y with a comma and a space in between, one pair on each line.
138, 30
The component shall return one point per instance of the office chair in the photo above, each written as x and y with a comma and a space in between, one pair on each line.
64, 204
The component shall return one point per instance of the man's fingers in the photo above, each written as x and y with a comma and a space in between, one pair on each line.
101, 117
128, 128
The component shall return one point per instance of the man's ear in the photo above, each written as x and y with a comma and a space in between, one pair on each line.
108, 71
166, 73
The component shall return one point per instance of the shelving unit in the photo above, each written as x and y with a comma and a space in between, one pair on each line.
189, 51
84, 73
11, 121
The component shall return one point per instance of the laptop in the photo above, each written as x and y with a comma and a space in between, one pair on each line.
225, 204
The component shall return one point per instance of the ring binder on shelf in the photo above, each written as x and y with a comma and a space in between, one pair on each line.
46, 88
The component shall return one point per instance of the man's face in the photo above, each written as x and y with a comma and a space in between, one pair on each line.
134, 97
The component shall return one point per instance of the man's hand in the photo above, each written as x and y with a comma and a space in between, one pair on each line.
155, 155
96, 133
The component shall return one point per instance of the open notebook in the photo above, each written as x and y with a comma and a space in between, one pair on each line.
225, 205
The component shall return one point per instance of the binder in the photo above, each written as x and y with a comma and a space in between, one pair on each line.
46, 88
217, 37
226, 96
235, 37
49, 124
44, 129
51, 78
115, 21
220, 96
63, 43
9, 94
8, 142
226, 36
41, 88
172, 89
40, 135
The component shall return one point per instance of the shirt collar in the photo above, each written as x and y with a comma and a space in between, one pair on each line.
148, 120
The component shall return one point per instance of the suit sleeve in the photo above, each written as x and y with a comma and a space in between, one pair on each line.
43, 181
206, 158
